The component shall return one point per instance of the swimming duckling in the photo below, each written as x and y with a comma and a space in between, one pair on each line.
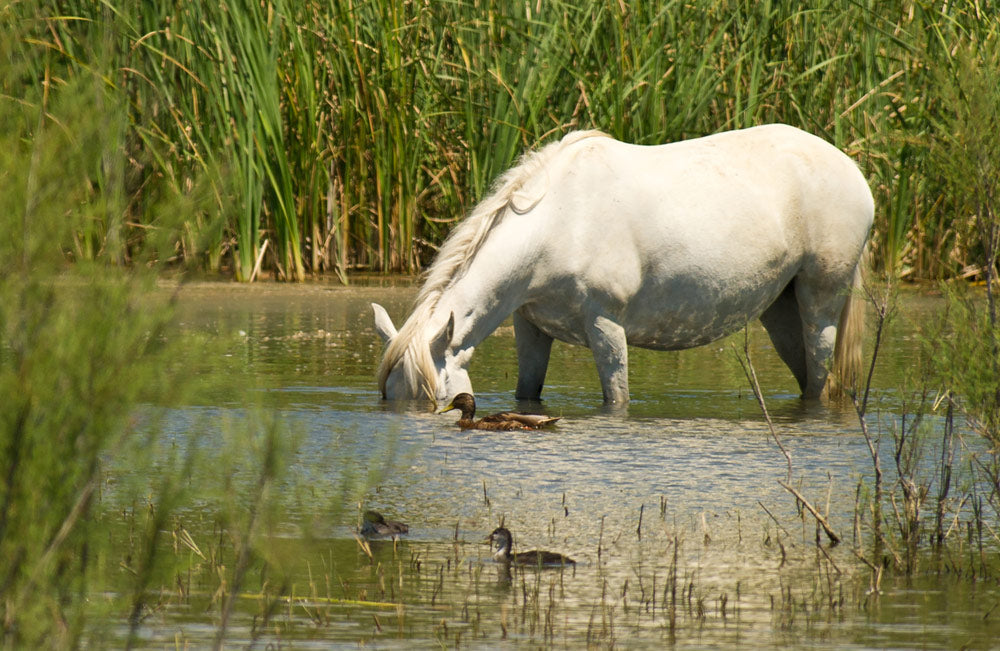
376, 525
504, 421
503, 542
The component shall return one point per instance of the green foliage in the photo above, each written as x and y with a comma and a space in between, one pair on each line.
965, 361
77, 353
340, 135
966, 152
93, 493
79, 347
88, 361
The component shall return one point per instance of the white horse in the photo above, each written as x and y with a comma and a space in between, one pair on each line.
605, 244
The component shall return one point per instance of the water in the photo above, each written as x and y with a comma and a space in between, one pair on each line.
673, 510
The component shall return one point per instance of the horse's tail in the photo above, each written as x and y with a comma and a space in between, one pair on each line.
846, 372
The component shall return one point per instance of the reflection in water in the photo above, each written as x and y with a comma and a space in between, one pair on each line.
672, 508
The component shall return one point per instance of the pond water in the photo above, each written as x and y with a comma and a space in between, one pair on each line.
673, 508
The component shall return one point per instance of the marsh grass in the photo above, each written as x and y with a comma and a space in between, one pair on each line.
928, 504
80, 348
954, 402
928, 511
95, 479
351, 135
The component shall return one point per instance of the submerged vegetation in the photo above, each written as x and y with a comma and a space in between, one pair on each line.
334, 136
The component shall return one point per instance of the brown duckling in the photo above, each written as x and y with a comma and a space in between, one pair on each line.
376, 525
503, 421
503, 541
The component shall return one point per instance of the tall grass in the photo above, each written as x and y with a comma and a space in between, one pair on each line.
89, 359
78, 346
350, 135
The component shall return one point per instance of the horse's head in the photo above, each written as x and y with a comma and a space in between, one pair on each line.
417, 366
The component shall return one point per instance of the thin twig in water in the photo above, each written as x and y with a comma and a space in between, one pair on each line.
638, 529
774, 518
883, 310
876, 580
751, 375
829, 558
830, 533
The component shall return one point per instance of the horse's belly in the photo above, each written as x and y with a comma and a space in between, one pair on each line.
680, 331
672, 320
681, 314
669, 332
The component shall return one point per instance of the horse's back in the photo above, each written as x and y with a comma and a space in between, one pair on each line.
767, 186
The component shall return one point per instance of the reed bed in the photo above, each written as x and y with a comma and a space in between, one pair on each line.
347, 135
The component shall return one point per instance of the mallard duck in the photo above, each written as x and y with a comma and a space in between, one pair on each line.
504, 542
505, 420
376, 525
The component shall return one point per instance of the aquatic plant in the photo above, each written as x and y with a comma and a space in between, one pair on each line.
924, 505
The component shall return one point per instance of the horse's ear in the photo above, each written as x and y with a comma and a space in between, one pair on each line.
383, 324
441, 341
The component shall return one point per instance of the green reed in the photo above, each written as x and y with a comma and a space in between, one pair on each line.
91, 486
349, 135
78, 346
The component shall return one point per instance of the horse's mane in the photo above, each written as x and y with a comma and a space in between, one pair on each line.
460, 248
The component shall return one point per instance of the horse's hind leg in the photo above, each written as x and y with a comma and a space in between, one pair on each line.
784, 325
820, 305
533, 348
607, 342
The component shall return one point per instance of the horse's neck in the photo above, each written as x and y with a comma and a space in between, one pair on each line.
493, 281
481, 300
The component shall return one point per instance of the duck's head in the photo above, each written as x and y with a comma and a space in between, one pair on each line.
374, 517
502, 542
465, 403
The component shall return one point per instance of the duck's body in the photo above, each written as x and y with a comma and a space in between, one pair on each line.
503, 542
503, 421
375, 524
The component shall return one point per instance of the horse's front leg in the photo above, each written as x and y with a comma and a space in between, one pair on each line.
533, 349
606, 340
